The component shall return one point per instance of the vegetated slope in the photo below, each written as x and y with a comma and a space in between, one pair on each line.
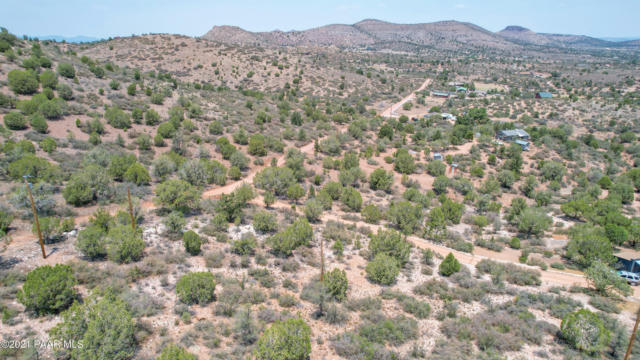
526, 36
444, 35
370, 33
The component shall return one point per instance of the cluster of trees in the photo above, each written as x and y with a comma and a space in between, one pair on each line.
388, 252
297, 234
112, 237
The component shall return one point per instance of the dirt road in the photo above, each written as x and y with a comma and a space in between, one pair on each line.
390, 111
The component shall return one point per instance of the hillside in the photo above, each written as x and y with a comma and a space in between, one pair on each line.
374, 34
526, 36
444, 35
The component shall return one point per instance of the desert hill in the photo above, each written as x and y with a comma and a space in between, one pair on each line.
381, 35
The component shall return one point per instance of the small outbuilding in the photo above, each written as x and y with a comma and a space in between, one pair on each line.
524, 145
515, 134
442, 94
437, 156
544, 95
447, 116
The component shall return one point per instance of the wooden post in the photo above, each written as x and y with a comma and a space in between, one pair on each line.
633, 335
321, 258
133, 223
35, 217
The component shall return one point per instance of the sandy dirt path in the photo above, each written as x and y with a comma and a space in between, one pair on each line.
390, 111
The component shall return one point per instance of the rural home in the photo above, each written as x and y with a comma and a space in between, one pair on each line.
442, 94
544, 95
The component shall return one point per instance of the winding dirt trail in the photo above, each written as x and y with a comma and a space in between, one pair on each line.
307, 149
389, 112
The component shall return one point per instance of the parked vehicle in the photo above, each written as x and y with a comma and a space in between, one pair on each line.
632, 278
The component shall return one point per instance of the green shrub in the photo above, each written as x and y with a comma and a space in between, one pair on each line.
605, 280
6, 217
391, 243
285, 340
65, 92
49, 79
91, 242
51, 109
178, 195
403, 162
175, 352
23, 82
137, 174
419, 309
51, 228
383, 269
334, 189
174, 222
244, 246
275, 179
48, 289
166, 130
85, 186
131, 89
39, 123
405, 216
371, 214
36, 167
512, 273
117, 118
585, 331
192, 242
124, 245
297, 234
196, 288
351, 199
66, 70
380, 180
103, 326
15, 121
337, 283
264, 221
256, 145
436, 168
313, 209
449, 265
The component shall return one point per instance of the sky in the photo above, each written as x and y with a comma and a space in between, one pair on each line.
102, 19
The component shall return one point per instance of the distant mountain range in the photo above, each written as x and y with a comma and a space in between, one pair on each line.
448, 35
70, 39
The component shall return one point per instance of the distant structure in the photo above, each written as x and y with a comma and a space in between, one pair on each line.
511, 135
437, 156
629, 264
544, 95
447, 116
442, 94
524, 145
452, 169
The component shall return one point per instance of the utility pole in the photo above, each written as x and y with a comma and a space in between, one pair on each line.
321, 258
35, 216
133, 223
633, 336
